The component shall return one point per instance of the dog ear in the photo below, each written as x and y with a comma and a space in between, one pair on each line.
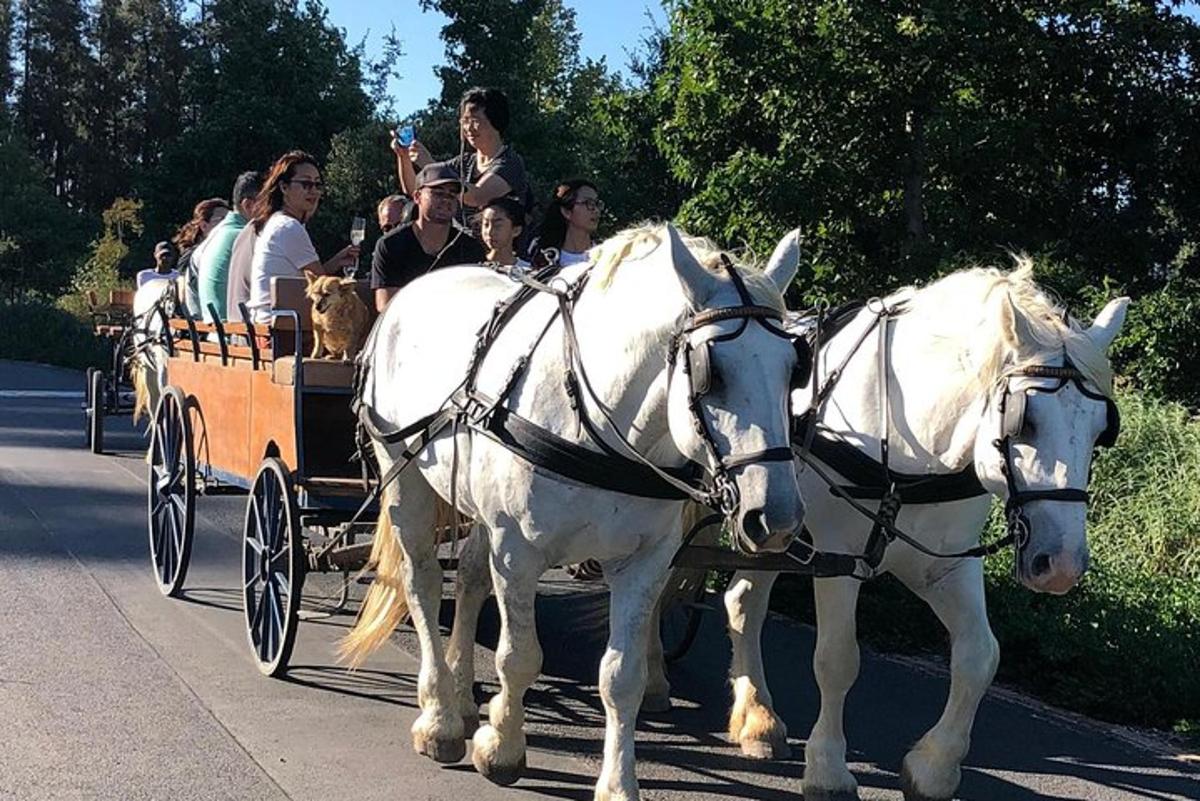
310, 276
349, 283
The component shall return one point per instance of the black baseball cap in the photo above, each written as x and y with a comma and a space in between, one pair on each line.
437, 174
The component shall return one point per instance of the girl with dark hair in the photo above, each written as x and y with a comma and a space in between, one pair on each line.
205, 217
500, 225
489, 168
288, 199
571, 220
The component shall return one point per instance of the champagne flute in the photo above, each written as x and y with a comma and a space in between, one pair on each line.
358, 232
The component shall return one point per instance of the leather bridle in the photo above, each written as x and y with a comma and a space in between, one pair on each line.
1011, 408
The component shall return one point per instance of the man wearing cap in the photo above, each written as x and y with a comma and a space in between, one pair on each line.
164, 264
432, 240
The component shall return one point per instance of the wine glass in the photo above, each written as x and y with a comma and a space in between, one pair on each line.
358, 232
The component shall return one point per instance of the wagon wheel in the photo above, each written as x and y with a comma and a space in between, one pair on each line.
172, 492
682, 607
87, 407
96, 408
272, 567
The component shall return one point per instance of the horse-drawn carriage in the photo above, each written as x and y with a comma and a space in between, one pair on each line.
109, 391
1021, 381
245, 410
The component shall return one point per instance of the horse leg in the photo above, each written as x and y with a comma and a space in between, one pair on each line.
835, 663
753, 723
635, 587
657, 697
438, 730
472, 586
932, 769
499, 745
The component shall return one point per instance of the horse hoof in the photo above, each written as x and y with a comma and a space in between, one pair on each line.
766, 749
907, 786
656, 704
503, 775
444, 751
830, 795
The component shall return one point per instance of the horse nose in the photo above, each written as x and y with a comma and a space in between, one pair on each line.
1056, 572
759, 535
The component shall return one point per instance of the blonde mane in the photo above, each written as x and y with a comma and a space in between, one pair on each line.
1004, 321
639, 241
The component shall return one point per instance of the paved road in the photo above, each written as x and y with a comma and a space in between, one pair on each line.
110, 691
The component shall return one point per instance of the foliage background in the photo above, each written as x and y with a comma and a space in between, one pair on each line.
905, 137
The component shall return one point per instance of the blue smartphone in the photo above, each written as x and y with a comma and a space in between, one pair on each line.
406, 135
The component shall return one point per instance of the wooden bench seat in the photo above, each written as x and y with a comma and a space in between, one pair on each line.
317, 372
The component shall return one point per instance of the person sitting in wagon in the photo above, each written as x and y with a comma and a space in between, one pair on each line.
489, 168
282, 248
434, 239
164, 264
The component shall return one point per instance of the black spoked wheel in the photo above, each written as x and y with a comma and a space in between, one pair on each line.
272, 567
97, 394
172, 492
682, 607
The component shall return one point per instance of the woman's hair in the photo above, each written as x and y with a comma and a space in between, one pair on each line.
554, 225
507, 206
270, 197
190, 234
492, 101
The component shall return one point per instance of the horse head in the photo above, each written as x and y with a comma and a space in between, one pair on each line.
730, 371
1051, 405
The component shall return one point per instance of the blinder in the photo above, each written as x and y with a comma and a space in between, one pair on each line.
699, 367
1012, 410
802, 372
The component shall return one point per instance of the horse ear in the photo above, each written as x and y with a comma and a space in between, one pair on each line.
785, 261
1108, 323
698, 283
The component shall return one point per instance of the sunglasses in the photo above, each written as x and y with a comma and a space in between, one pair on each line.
309, 186
591, 204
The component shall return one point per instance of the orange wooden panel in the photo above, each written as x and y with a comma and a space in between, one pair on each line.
219, 402
272, 419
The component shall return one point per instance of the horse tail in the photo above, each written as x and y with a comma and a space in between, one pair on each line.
386, 603
141, 392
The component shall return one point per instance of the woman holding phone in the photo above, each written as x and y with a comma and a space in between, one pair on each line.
488, 166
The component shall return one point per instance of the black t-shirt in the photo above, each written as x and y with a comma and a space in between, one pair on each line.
399, 257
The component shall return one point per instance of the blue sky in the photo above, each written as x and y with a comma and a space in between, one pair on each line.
609, 28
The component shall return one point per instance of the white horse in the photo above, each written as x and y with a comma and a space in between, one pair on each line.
148, 372
967, 385
671, 356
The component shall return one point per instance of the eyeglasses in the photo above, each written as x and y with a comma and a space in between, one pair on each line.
592, 204
309, 186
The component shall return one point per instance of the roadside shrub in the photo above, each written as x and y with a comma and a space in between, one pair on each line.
37, 331
1125, 643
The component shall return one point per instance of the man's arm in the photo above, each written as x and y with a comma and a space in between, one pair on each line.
383, 294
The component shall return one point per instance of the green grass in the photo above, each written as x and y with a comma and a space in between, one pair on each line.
1125, 644
37, 331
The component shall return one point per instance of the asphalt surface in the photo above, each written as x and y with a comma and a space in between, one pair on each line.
110, 691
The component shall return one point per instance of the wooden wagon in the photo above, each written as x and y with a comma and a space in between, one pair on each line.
109, 391
244, 409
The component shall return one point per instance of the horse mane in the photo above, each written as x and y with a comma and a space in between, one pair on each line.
1004, 321
638, 241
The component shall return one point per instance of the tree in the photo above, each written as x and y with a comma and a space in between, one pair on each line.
901, 134
54, 67
41, 238
6, 34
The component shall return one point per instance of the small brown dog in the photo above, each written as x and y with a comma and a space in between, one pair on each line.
339, 316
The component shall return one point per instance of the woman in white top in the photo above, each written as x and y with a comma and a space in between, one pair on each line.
571, 220
282, 247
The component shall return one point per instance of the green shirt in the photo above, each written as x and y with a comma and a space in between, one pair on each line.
213, 268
